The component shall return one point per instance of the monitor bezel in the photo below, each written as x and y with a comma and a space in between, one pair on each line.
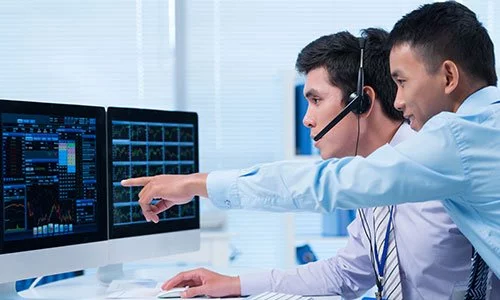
149, 116
71, 110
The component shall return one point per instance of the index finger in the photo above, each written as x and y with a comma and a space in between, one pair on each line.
139, 181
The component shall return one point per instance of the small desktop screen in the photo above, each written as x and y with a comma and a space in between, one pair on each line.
145, 142
53, 175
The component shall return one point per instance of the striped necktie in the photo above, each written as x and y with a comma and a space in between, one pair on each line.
391, 282
478, 279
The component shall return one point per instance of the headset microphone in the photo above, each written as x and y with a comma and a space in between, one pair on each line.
359, 102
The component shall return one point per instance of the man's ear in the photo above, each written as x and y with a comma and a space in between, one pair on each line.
368, 90
451, 75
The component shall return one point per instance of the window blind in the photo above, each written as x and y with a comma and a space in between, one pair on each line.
98, 52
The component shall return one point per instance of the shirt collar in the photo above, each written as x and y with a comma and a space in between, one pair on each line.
404, 131
479, 99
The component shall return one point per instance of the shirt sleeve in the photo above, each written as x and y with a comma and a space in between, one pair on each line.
348, 274
425, 167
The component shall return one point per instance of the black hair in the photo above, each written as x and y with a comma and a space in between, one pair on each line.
448, 31
339, 54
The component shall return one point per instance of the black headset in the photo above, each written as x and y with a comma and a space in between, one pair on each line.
359, 101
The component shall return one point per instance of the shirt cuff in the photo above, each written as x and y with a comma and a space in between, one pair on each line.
222, 189
256, 283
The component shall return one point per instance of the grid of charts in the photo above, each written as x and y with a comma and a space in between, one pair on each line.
149, 149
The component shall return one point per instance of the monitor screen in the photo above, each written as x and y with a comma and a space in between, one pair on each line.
53, 172
147, 143
53, 182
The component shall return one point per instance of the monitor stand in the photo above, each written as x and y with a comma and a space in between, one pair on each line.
106, 274
109, 273
8, 291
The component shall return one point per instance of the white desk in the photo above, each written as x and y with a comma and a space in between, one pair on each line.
87, 287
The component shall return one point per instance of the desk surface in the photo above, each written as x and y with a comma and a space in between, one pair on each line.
88, 286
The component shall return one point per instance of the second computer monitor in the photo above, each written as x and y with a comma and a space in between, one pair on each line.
141, 143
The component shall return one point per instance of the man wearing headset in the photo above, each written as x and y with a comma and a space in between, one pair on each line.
432, 265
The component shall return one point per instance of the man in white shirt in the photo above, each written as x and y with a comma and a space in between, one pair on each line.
433, 255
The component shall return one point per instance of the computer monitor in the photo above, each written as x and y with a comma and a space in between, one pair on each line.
52, 189
144, 142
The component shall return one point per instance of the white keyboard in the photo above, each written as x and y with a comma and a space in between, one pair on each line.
278, 296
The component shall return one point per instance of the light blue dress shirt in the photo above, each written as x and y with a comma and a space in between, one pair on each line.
434, 264
455, 157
